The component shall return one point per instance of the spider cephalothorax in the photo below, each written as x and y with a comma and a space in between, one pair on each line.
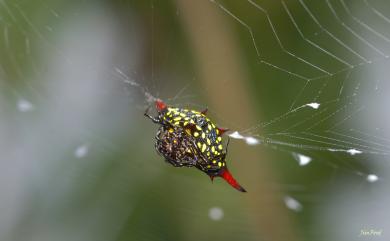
188, 138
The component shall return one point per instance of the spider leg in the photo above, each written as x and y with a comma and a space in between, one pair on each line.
227, 144
154, 119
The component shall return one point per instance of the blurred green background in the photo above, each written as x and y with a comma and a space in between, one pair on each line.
77, 154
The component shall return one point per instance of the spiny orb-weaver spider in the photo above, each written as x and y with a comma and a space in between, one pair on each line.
187, 138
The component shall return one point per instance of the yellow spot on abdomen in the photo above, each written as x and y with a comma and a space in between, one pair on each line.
204, 147
196, 134
188, 131
199, 144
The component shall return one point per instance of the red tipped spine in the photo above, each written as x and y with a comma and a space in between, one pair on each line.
225, 174
222, 130
160, 105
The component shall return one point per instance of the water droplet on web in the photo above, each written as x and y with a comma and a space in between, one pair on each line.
236, 135
372, 178
302, 159
354, 151
215, 213
81, 151
251, 140
314, 105
292, 204
25, 105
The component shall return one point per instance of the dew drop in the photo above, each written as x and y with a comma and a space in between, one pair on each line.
314, 105
25, 105
354, 151
81, 151
372, 178
302, 159
292, 204
216, 213
251, 141
236, 135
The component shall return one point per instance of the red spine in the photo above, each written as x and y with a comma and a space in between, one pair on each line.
160, 105
225, 174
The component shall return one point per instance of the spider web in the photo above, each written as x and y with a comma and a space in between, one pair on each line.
319, 106
75, 79
330, 113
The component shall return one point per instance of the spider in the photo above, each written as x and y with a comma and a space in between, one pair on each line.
187, 138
